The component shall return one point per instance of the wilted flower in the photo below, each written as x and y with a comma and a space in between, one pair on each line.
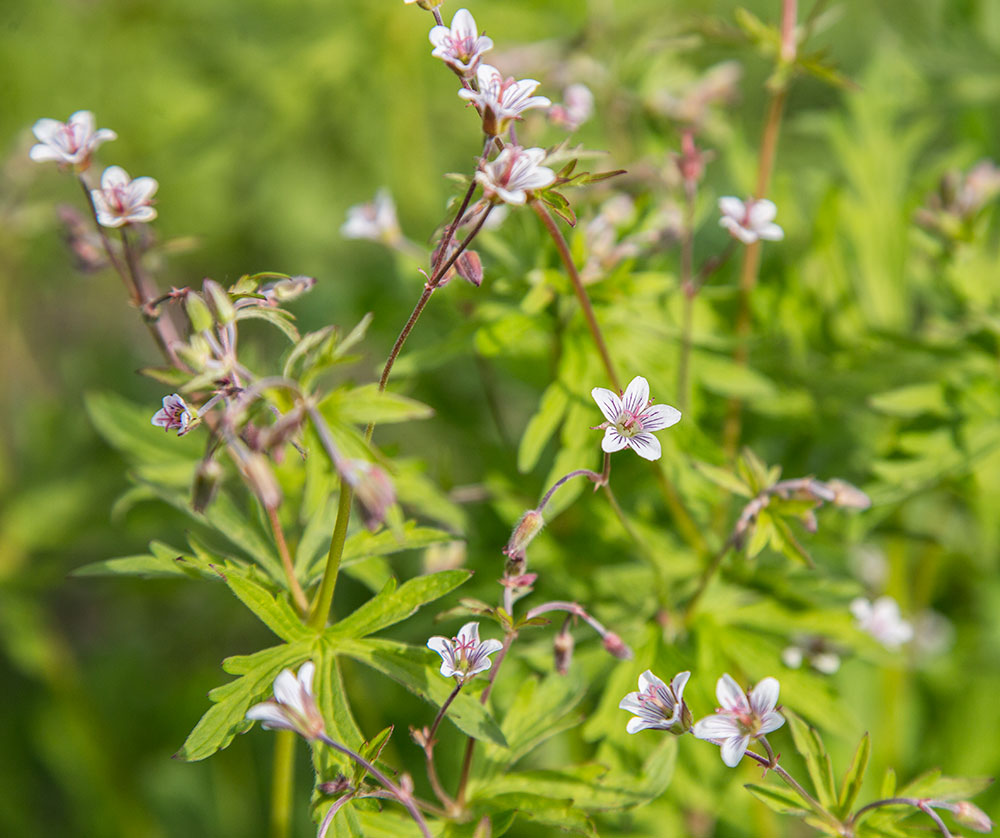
375, 220
294, 706
121, 200
175, 415
750, 221
514, 173
657, 705
500, 100
742, 717
460, 47
577, 107
631, 417
882, 620
71, 142
464, 656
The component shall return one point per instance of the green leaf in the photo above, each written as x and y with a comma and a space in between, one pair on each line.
783, 539
277, 317
888, 783
912, 400
414, 668
761, 534
855, 776
309, 342
557, 814
145, 565
933, 784
779, 800
391, 606
724, 377
226, 717
725, 479
364, 544
810, 745
541, 426
273, 611
360, 405
126, 426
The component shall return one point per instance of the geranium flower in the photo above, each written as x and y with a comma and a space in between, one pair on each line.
71, 142
658, 706
460, 47
577, 107
121, 200
513, 174
375, 220
750, 221
464, 656
500, 100
632, 417
742, 717
882, 620
294, 706
175, 415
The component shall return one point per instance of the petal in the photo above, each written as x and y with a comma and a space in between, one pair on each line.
286, 689
609, 403
631, 703
826, 662
718, 726
443, 646
114, 176
85, 121
730, 694
537, 178
764, 696
659, 416
463, 23
103, 136
761, 212
305, 676
738, 231
478, 665
161, 419
771, 721
771, 233
46, 130
613, 441
645, 445
636, 724
648, 678
142, 215
511, 196
270, 714
678, 684
470, 631
488, 647
43, 153
732, 207
636, 396
733, 750
437, 37
861, 608
142, 189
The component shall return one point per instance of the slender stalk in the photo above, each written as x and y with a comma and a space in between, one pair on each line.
282, 780
301, 602
581, 293
440, 714
432, 774
324, 598
331, 812
706, 576
597, 479
689, 291
771, 765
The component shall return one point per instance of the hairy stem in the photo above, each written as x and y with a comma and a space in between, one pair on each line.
282, 779
432, 774
301, 602
772, 765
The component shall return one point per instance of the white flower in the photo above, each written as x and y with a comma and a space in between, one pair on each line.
751, 220
69, 142
294, 706
500, 100
175, 415
375, 220
461, 47
882, 620
814, 652
742, 717
514, 173
121, 200
658, 706
577, 107
631, 417
464, 656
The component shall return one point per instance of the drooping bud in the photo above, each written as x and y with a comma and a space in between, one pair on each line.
373, 488
221, 302
484, 829
970, 815
261, 480
289, 288
207, 477
562, 649
844, 494
614, 645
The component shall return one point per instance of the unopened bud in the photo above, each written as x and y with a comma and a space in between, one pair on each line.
524, 533
261, 480
221, 302
429, 5
844, 494
207, 477
198, 313
562, 649
614, 645
470, 267
406, 782
337, 785
372, 487
289, 288
420, 736
970, 815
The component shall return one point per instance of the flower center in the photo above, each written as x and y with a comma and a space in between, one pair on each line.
628, 424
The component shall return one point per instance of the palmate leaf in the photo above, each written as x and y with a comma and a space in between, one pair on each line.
274, 611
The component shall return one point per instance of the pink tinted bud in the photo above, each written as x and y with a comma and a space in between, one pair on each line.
562, 649
844, 494
524, 533
614, 645
970, 815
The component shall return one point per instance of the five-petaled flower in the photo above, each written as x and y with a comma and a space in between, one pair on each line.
375, 220
500, 100
461, 46
464, 656
513, 174
750, 221
632, 417
657, 705
882, 620
121, 200
175, 415
294, 706
71, 142
742, 717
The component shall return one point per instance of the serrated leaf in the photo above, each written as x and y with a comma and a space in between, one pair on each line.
809, 744
855, 776
391, 606
541, 426
414, 668
361, 405
272, 610
364, 544
778, 800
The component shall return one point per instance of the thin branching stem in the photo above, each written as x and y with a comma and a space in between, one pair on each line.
432, 774
301, 602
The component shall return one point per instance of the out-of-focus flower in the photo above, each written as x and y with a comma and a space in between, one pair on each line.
461, 46
632, 417
692, 105
373, 488
742, 717
870, 565
121, 200
970, 815
514, 174
281, 290
882, 620
933, 633
464, 656
71, 142
294, 706
657, 705
175, 415
446, 555
750, 221
577, 107
500, 100
812, 650
375, 220
847, 495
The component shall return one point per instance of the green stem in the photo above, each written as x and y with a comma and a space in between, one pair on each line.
324, 599
706, 576
282, 781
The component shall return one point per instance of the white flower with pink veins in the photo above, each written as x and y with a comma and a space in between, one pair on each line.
742, 717
513, 174
121, 200
71, 142
460, 46
501, 99
750, 221
632, 417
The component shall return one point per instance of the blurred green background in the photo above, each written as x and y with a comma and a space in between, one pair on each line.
263, 120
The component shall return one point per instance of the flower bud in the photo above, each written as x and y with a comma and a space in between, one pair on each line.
261, 479
207, 477
221, 302
970, 815
198, 313
524, 533
614, 645
429, 5
562, 649
844, 494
